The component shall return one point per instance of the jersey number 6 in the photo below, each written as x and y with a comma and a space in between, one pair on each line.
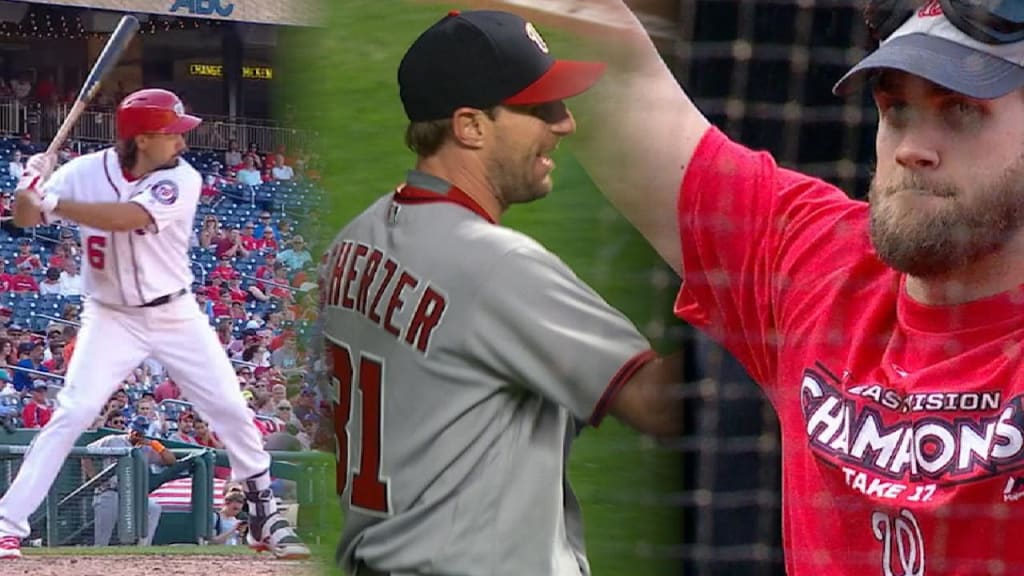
95, 251
369, 491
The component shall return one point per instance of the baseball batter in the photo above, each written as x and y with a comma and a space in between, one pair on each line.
467, 357
887, 336
135, 205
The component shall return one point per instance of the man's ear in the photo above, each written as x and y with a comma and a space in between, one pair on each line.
470, 127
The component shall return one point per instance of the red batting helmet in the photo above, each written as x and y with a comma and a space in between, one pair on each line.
152, 111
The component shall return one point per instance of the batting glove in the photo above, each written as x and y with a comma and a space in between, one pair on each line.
37, 170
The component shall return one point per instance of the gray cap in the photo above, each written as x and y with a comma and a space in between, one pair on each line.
931, 47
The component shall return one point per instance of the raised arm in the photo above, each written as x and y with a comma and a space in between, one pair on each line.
637, 130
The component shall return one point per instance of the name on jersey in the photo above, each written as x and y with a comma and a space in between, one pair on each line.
948, 436
363, 279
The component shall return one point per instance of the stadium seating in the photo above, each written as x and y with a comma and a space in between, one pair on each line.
236, 205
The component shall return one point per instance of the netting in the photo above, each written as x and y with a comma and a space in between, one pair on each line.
763, 72
68, 515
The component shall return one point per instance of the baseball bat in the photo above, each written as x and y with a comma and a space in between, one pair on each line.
116, 45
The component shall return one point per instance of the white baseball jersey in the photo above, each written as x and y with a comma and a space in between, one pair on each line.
134, 267
466, 357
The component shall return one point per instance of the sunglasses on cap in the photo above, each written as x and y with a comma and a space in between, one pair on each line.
987, 21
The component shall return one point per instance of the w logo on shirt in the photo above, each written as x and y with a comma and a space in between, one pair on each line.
1014, 489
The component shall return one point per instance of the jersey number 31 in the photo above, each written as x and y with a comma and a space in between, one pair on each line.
369, 491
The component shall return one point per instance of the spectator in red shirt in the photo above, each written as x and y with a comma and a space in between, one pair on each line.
167, 390
209, 192
268, 242
26, 260
249, 242
46, 90
214, 285
264, 291
22, 282
266, 270
280, 288
222, 307
39, 409
238, 294
231, 245
224, 270
204, 436
56, 363
60, 254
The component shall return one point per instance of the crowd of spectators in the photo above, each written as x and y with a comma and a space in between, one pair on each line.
261, 314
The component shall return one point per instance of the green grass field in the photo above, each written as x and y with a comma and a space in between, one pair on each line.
341, 80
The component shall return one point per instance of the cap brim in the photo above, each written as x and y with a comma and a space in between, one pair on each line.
565, 79
183, 124
944, 62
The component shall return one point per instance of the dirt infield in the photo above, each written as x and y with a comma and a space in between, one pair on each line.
138, 565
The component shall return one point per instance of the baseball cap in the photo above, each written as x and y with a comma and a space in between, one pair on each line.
928, 45
5, 375
483, 58
39, 384
139, 424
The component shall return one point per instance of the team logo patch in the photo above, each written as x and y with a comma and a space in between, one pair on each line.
532, 34
164, 192
932, 8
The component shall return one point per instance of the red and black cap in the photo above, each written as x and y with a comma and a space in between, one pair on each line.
483, 58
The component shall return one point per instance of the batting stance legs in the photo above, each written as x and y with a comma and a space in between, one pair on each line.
112, 342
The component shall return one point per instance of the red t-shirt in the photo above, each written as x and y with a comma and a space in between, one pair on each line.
28, 262
221, 309
266, 245
248, 242
264, 272
239, 295
35, 415
225, 271
23, 283
902, 424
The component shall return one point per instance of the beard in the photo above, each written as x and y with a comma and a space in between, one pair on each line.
514, 179
961, 229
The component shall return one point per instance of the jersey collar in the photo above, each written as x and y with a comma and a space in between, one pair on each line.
422, 188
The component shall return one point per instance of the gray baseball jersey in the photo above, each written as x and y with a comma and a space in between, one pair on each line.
465, 356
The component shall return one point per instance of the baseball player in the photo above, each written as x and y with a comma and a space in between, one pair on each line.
467, 357
135, 203
886, 334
